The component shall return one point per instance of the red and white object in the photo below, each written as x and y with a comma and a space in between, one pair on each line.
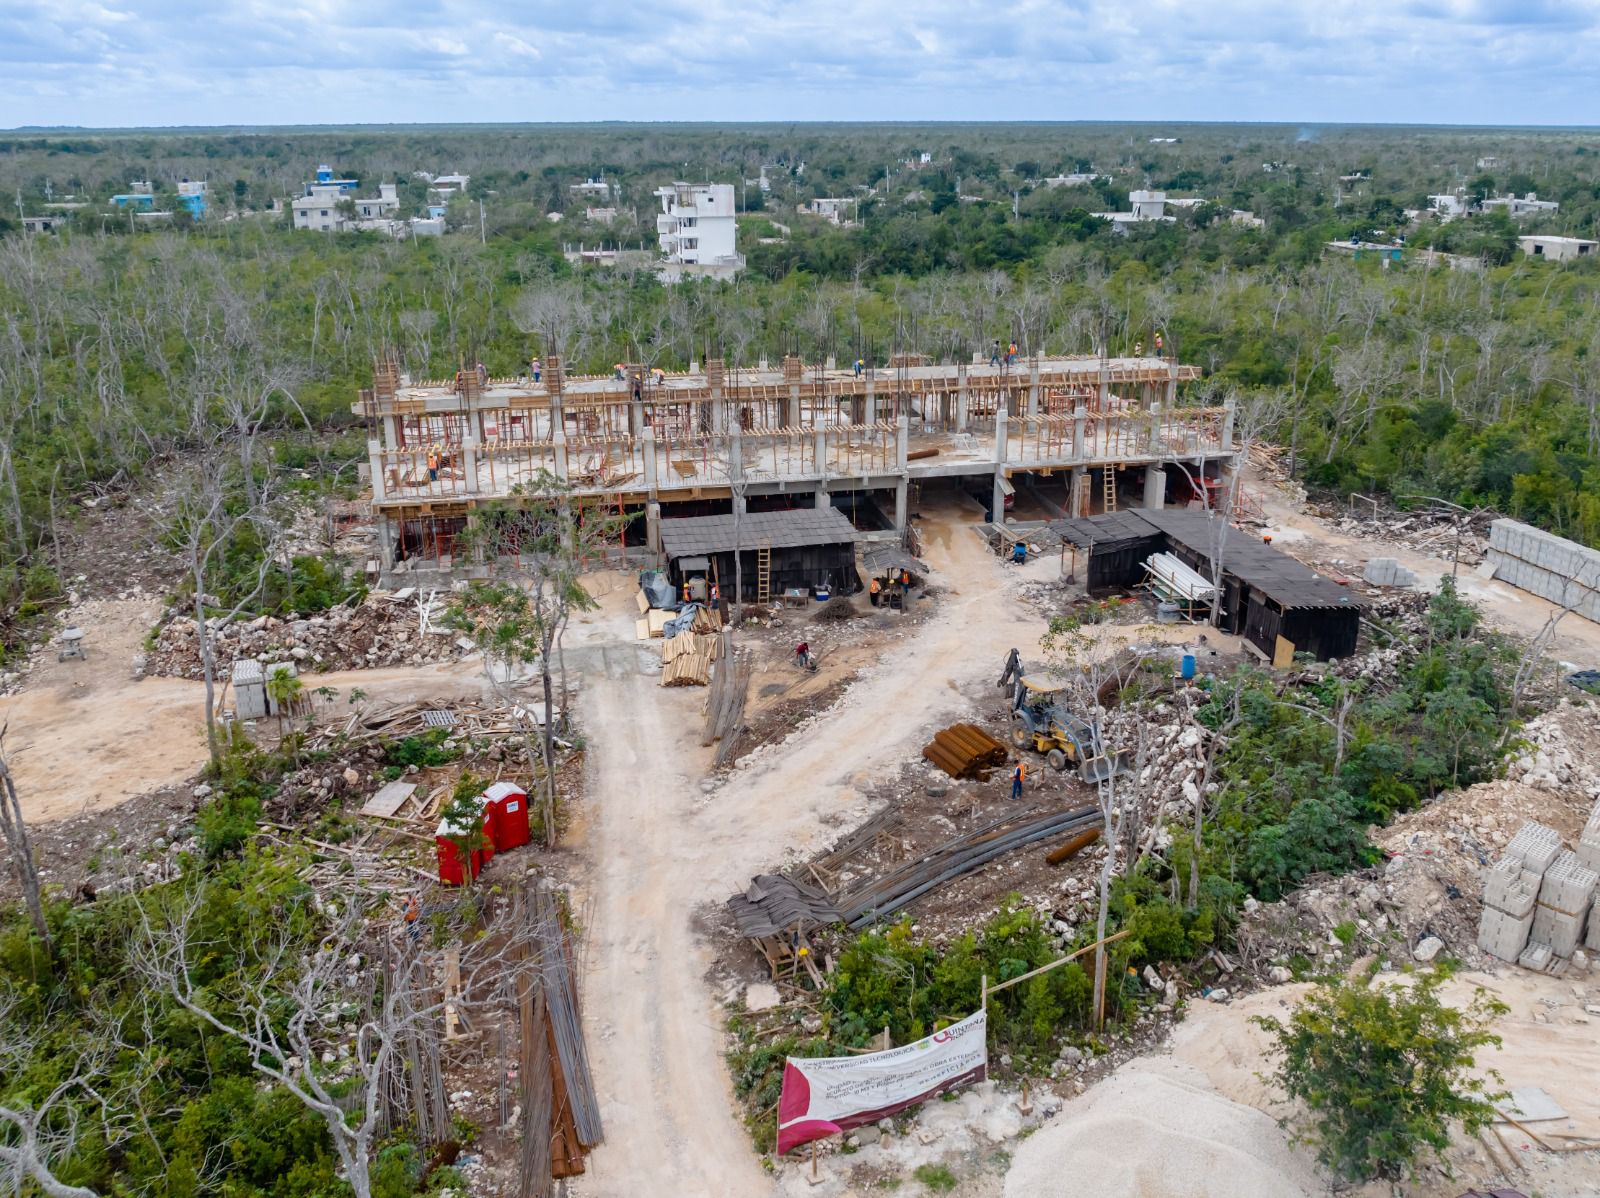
505, 807
826, 1095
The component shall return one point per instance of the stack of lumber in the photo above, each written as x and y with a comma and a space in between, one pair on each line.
686, 658
965, 751
725, 703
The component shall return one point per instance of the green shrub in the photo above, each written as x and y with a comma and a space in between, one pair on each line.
424, 749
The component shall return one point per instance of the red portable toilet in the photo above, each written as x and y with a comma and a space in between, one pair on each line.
506, 808
452, 871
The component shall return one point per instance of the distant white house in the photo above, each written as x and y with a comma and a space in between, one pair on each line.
1076, 179
1557, 249
318, 209
593, 189
1488, 162
449, 185
1249, 220
698, 232
835, 210
601, 216
1148, 206
1528, 205
1449, 206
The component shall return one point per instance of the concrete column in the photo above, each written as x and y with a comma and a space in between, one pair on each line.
652, 526
791, 407
1227, 426
391, 431
559, 447
1033, 385
1000, 431
901, 502
1105, 388
1172, 383
1155, 487
650, 461
872, 400
1080, 418
1080, 491
469, 463
902, 441
558, 415
385, 531
997, 503
719, 411
820, 441
635, 418
1153, 430
736, 457
380, 485
962, 403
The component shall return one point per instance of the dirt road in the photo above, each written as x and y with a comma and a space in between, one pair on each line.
662, 846
87, 735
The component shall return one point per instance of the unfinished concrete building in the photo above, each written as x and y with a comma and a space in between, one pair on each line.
1056, 436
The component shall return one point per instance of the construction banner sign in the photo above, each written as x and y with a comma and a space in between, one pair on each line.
825, 1095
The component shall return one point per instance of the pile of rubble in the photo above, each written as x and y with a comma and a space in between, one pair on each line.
402, 628
1432, 532
1554, 760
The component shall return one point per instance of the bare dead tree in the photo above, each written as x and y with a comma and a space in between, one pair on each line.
281, 993
15, 829
207, 522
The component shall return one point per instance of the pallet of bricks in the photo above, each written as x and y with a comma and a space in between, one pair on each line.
1538, 898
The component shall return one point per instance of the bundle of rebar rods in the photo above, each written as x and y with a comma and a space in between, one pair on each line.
954, 859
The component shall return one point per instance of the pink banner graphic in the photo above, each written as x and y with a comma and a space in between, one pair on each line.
824, 1095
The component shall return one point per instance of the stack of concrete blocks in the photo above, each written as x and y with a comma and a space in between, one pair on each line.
1588, 854
1549, 566
1511, 890
1387, 572
1564, 900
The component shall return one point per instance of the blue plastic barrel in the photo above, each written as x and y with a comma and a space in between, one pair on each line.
1188, 665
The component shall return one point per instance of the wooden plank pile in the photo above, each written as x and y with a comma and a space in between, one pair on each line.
725, 704
965, 751
686, 659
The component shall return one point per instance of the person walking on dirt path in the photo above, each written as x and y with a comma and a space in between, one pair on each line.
905, 585
1016, 781
873, 591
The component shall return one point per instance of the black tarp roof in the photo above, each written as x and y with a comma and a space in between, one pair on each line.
690, 535
774, 904
1287, 581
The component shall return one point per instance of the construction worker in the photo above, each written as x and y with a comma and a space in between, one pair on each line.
994, 353
1160, 346
659, 376
535, 367
872, 589
413, 918
860, 366
1138, 349
1017, 776
620, 371
802, 655
433, 465
483, 375
1011, 353
905, 584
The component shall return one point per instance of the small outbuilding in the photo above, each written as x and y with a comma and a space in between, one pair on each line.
805, 549
249, 689
505, 807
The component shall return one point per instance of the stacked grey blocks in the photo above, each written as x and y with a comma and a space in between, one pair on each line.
1511, 891
1549, 566
1538, 897
1563, 907
1387, 572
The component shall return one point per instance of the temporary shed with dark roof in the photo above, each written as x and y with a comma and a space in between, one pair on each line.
1266, 593
809, 547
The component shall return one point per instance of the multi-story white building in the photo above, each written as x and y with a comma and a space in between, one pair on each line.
698, 232
1147, 206
319, 208
1528, 205
593, 189
835, 210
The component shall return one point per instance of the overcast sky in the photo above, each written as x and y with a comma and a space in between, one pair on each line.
210, 62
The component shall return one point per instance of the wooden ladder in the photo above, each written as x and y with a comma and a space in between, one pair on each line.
764, 572
1111, 487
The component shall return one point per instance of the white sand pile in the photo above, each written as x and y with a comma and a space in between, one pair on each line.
1157, 1128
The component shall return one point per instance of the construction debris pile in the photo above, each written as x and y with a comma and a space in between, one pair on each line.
386, 629
1431, 531
1537, 898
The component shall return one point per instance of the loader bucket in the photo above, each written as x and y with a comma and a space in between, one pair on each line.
1098, 769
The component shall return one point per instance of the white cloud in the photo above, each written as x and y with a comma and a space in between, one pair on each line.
98, 62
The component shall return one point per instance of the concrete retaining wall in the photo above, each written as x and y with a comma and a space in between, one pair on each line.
1546, 565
